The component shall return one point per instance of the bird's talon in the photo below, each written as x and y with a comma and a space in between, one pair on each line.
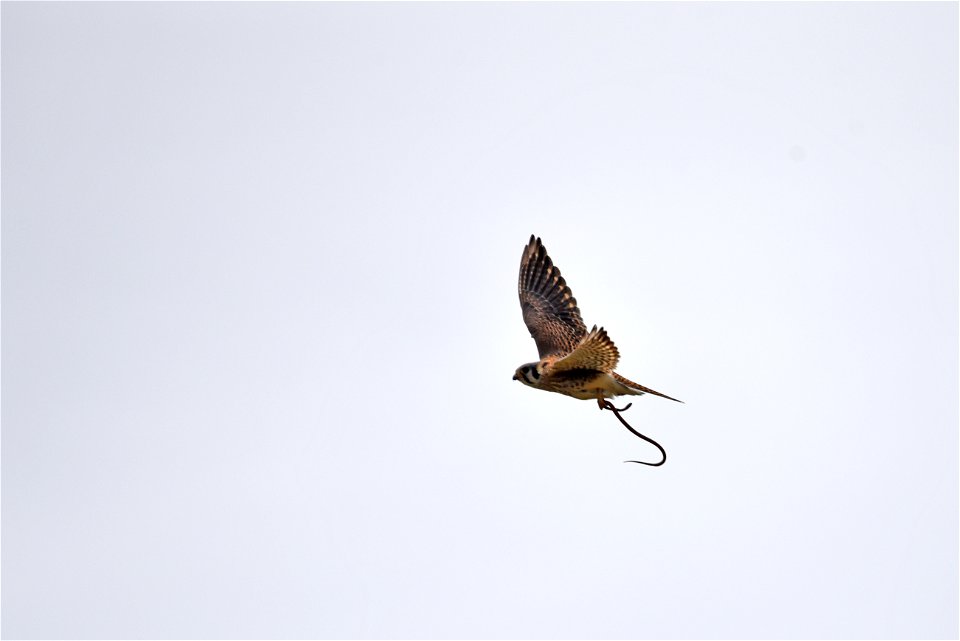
607, 405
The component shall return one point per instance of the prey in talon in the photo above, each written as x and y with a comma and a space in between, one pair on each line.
573, 361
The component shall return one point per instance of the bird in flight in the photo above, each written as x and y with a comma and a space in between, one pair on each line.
573, 361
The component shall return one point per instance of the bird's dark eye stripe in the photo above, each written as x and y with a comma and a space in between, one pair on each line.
536, 374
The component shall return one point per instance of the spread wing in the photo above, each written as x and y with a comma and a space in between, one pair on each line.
549, 308
594, 352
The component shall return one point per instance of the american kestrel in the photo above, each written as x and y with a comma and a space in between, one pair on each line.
572, 361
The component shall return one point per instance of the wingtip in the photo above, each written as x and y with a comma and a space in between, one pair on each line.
534, 249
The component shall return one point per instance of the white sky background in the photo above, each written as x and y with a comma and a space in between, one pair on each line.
260, 320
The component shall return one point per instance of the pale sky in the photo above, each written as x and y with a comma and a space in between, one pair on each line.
260, 320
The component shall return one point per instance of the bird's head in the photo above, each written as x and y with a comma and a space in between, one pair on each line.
528, 374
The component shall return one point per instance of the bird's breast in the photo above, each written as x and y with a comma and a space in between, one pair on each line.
584, 384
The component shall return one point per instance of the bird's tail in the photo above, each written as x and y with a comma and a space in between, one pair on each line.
636, 388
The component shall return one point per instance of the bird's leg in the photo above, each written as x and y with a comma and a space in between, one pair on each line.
607, 405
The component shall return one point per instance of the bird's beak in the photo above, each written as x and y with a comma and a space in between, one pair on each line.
514, 377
